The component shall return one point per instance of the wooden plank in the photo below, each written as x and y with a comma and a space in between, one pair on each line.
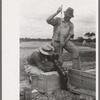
82, 79
91, 80
82, 91
75, 78
74, 71
90, 85
92, 71
88, 80
81, 73
89, 75
78, 85
83, 85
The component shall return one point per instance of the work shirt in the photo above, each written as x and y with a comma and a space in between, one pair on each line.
63, 29
36, 59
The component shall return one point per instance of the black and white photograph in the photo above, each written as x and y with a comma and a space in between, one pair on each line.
57, 49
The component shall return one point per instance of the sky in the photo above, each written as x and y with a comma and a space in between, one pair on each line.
33, 15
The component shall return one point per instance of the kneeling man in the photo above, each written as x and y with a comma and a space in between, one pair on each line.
44, 59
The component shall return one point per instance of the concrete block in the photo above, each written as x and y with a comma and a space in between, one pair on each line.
47, 82
34, 84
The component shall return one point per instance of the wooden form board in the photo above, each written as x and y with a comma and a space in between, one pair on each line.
82, 79
82, 91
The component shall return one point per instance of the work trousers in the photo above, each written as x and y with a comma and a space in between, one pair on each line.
72, 49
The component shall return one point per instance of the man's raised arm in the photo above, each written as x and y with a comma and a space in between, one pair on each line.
50, 18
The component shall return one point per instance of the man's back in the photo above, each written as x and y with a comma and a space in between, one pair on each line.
36, 59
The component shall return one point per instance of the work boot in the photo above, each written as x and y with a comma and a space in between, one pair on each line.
76, 63
64, 85
64, 81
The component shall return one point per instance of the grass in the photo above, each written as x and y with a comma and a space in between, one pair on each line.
92, 45
26, 48
87, 56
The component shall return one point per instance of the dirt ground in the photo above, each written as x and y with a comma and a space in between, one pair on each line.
87, 56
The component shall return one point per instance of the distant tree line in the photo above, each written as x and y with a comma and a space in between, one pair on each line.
89, 38
81, 39
33, 39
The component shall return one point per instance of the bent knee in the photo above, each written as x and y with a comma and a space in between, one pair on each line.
75, 53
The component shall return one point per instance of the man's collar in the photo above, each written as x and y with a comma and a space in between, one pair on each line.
64, 20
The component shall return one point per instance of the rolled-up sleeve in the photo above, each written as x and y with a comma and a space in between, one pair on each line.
53, 21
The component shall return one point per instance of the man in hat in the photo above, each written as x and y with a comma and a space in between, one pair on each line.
38, 60
62, 33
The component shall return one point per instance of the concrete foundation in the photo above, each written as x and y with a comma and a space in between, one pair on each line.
46, 82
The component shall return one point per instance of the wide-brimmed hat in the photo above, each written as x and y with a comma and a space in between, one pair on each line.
69, 12
47, 49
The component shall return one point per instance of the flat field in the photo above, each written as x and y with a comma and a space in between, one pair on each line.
87, 54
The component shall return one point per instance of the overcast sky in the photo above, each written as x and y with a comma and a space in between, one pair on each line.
33, 14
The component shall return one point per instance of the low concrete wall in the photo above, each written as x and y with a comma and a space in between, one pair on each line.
46, 82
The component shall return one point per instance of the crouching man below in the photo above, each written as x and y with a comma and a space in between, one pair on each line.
43, 60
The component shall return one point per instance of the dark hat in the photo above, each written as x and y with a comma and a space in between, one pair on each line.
47, 49
69, 12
